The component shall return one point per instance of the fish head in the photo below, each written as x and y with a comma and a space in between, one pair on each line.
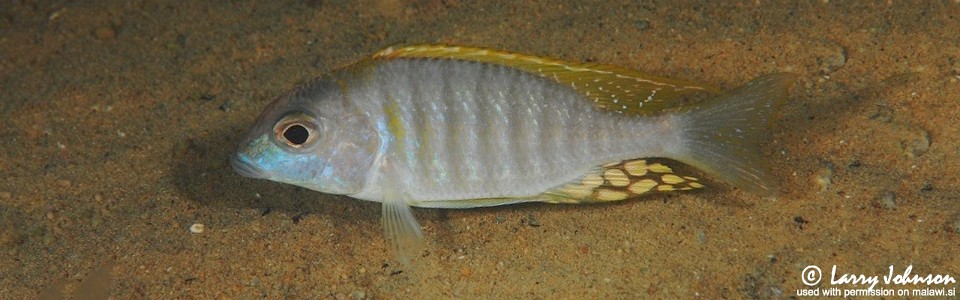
312, 137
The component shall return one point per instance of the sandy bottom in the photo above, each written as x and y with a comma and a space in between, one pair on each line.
118, 119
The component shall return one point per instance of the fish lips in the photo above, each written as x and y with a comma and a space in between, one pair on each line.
242, 165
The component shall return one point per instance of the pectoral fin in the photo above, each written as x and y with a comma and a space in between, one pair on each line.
400, 227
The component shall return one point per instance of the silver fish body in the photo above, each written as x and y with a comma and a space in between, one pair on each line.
467, 130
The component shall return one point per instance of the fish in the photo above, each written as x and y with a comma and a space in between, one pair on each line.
455, 127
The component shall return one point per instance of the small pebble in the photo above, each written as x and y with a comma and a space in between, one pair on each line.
532, 221
917, 144
64, 182
954, 224
887, 200
701, 236
105, 33
882, 113
800, 221
855, 164
584, 249
833, 61
207, 96
358, 295
824, 178
641, 24
196, 228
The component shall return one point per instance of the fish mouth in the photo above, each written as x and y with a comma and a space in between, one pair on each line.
241, 164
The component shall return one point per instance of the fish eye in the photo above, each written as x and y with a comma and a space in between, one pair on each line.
296, 131
296, 134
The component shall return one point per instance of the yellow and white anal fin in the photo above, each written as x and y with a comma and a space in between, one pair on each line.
628, 179
400, 226
610, 87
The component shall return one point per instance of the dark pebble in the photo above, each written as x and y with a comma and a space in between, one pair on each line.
855, 164
800, 221
532, 221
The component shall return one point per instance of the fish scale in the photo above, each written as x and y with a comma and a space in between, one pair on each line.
578, 135
460, 127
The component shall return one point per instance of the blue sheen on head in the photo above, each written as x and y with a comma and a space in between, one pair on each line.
330, 149
265, 159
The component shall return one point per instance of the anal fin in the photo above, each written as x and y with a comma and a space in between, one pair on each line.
626, 180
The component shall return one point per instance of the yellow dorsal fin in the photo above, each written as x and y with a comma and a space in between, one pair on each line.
627, 179
610, 87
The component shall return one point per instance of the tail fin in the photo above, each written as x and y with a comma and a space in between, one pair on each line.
724, 134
